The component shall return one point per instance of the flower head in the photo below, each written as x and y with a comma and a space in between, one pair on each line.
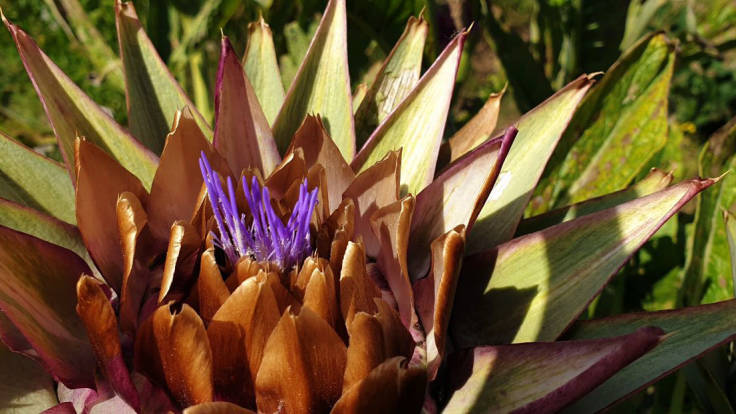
267, 238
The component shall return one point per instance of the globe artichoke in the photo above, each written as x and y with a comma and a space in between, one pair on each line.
302, 258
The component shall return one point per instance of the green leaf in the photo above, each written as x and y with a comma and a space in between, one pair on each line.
542, 377
534, 286
99, 53
33, 180
263, 70
730, 221
24, 385
38, 295
417, 124
397, 76
153, 94
49, 229
72, 113
690, 333
455, 197
619, 127
655, 181
529, 84
539, 132
707, 268
322, 85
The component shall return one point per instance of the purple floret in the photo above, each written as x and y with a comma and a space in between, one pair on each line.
268, 238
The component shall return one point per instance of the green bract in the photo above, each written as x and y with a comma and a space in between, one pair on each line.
426, 288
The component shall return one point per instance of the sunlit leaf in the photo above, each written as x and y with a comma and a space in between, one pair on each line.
707, 268
322, 85
72, 113
153, 94
262, 69
539, 132
619, 127
417, 124
534, 286
656, 180
396, 78
35, 181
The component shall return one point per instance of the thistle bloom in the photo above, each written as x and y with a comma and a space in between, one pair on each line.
268, 239
318, 278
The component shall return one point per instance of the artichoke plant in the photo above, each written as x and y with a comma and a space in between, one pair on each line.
299, 257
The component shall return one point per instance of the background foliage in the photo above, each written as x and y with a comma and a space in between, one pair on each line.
670, 82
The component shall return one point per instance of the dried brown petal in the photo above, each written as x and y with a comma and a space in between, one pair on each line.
303, 366
181, 259
184, 350
391, 226
176, 186
319, 148
211, 288
99, 181
96, 313
391, 387
137, 246
292, 169
357, 291
217, 407
374, 188
238, 333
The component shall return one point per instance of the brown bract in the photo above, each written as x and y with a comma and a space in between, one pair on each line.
250, 333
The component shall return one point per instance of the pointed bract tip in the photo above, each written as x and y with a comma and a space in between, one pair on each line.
720, 177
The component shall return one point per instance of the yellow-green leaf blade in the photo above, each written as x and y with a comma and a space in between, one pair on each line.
619, 127
35, 181
539, 131
322, 86
396, 78
417, 124
25, 385
532, 287
72, 113
153, 94
262, 69
655, 181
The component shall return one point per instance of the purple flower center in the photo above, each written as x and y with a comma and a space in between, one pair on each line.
267, 238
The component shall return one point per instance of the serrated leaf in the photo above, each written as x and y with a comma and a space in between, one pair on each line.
24, 385
33, 180
417, 124
152, 93
655, 181
535, 286
397, 76
539, 131
690, 333
707, 268
262, 69
322, 85
72, 113
507, 378
619, 127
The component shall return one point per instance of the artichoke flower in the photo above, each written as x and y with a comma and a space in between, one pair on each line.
302, 258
